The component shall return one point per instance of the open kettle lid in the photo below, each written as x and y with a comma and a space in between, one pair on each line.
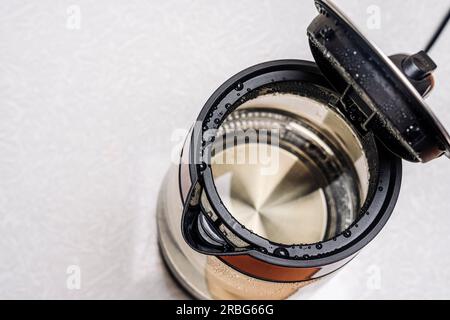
381, 94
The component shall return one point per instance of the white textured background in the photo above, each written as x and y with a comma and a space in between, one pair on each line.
86, 118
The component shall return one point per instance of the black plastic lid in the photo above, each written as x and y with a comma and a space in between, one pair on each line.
381, 94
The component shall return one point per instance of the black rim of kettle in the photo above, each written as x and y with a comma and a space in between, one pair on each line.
373, 216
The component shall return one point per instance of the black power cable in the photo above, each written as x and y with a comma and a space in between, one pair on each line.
438, 32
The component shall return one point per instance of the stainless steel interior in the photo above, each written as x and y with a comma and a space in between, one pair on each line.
290, 169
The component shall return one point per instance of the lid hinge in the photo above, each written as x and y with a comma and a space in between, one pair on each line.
353, 111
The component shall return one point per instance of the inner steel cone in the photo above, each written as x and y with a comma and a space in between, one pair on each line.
286, 206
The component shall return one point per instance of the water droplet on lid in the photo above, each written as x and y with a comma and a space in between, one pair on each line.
318, 246
281, 252
239, 86
347, 233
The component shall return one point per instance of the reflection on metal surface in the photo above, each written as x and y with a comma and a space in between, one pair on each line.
286, 207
